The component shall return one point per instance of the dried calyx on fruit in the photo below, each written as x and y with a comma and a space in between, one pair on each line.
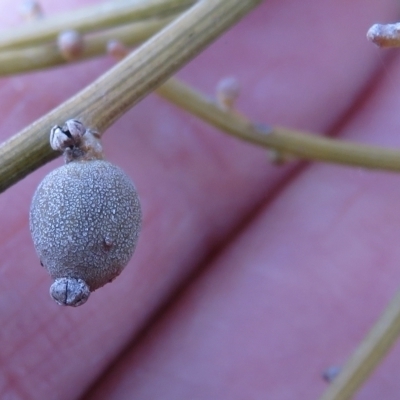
85, 217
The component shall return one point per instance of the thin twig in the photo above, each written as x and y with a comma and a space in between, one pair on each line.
110, 96
368, 355
303, 145
89, 19
48, 55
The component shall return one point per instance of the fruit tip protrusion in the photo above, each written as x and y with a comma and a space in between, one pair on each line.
70, 291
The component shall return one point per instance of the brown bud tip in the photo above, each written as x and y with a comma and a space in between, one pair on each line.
76, 142
117, 49
70, 43
68, 135
228, 90
70, 291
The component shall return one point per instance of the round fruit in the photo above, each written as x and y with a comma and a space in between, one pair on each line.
85, 220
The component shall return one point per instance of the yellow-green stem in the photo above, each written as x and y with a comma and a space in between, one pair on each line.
303, 145
48, 55
94, 18
368, 355
110, 96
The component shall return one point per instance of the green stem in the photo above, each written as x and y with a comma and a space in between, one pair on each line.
94, 18
110, 96
368, 355
303, 145
48, 55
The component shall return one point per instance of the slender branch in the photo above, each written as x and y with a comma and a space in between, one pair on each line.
386, 331
368, 354
110, 96
303, 145
48, 55
89, 19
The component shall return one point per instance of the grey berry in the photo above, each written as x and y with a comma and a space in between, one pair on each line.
85, 220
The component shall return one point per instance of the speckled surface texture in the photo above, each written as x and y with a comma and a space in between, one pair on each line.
85, 220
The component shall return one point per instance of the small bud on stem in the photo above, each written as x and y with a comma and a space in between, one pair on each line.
70, 43
76, 142
227, 92
385, 35
117, 49
31, 10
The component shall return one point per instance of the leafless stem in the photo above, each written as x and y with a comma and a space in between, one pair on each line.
368, 355
48, 55
303, 145
106, 99
89, 19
